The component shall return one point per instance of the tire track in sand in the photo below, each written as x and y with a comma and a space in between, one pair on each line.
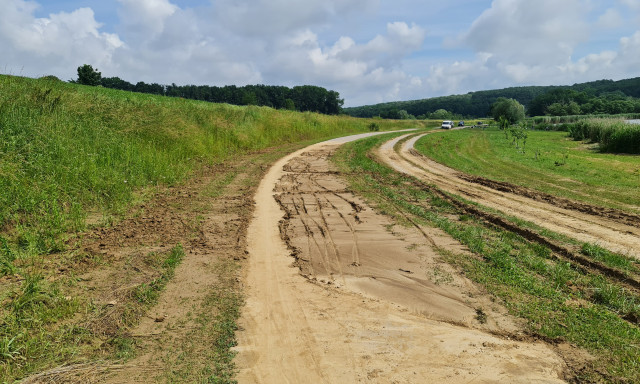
297, 331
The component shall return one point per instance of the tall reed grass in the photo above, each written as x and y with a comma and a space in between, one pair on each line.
67, 149
576, 118
614, 135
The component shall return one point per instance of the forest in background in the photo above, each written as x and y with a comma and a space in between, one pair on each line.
596, 97
304, 98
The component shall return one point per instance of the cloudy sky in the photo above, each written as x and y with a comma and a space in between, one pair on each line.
368, 50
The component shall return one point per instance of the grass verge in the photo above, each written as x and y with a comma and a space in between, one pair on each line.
559, 300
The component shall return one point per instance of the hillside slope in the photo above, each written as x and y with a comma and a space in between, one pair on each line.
477, 104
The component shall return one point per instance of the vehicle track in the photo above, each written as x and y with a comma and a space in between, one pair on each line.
387, 322
615, 235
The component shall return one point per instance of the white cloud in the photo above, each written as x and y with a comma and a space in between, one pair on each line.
259, 18
610, 19
322, 42
145, 17
53, 44
528, 32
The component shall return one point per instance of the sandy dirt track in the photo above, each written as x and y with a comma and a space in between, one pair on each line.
616, 235
374, 305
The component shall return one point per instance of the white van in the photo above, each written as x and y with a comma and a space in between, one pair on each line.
447, 124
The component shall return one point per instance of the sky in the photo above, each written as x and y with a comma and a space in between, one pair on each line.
370, 51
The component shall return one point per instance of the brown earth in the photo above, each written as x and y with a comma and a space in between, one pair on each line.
610, 229
208, 216
364, 300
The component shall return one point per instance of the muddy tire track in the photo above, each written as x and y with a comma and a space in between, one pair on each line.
385, 320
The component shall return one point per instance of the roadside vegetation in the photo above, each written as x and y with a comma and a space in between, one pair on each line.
76, 158
547, 122
547, 161
612, 135
562, 302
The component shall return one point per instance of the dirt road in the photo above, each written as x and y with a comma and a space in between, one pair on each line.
362, 300
616, 235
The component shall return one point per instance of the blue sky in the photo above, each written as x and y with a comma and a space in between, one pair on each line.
368, 50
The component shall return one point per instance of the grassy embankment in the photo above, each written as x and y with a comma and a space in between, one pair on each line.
560, 301
549, 161
68, 150
72, 155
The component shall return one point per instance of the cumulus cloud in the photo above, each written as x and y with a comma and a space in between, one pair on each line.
527, 32
259, 18
610, 19
144, 18
288, 42
53, 44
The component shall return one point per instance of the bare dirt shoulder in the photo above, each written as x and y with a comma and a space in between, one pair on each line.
364, 300
144, 322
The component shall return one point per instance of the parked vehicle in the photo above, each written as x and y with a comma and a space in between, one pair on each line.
447, 124
461, 124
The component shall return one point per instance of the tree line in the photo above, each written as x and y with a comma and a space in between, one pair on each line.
602, 96
300, 98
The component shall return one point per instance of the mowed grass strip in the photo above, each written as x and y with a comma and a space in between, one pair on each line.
550, 162
560, 302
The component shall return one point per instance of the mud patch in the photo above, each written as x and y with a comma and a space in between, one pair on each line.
360, 314
338, 241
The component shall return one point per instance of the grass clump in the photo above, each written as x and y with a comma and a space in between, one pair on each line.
148, 293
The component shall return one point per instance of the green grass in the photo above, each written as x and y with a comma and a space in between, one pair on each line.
67, 149
32, 338
558, 300
550, 162
148, 293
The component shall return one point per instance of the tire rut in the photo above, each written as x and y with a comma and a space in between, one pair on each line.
418, 165
388, 322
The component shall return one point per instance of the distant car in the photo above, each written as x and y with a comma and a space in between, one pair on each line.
461, 124
479, 122
447, 124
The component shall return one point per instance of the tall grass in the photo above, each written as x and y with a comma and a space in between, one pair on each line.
67, 149
613, 135
576, 118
